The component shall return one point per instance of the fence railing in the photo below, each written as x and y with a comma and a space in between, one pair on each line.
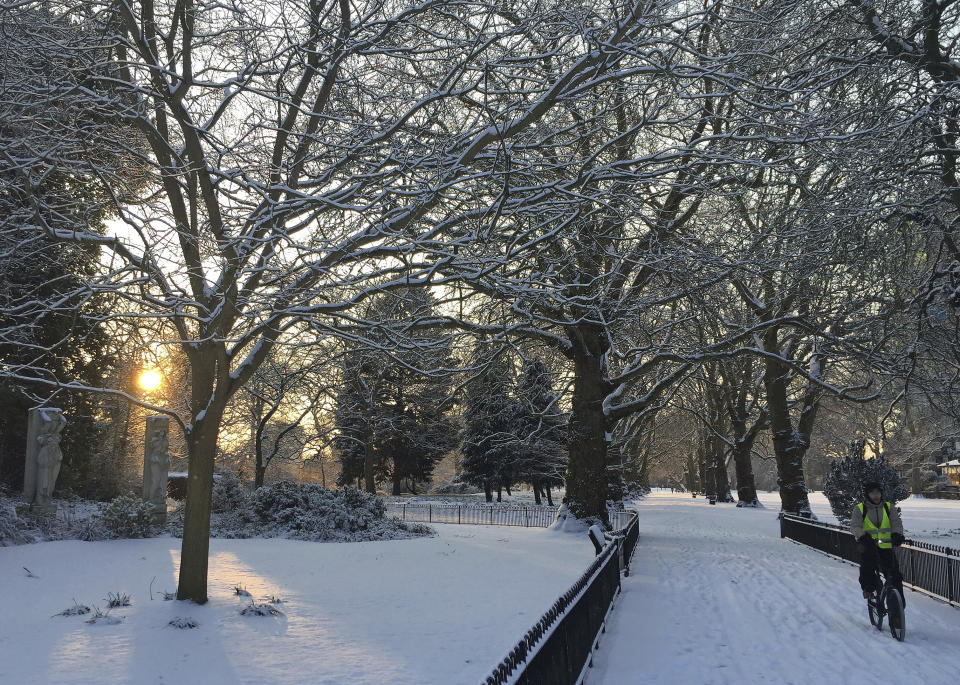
930, 569
496, 515
947, 492
558, 649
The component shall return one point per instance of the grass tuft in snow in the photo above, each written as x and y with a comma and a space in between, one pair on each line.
260, 609
101, 617
76, 610
169, 596
118, 599
183, 623
241, 591
273, 599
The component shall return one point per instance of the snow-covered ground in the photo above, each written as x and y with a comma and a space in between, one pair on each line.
929, 520
716, 597
440, 610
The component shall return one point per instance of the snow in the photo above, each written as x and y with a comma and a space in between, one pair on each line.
936, 521
716, 597
431, 610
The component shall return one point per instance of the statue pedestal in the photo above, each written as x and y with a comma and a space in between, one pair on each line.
37, 511
160, 515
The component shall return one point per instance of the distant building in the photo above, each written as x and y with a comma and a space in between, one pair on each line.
951, 469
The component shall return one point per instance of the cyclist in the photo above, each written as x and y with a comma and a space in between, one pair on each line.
877, 526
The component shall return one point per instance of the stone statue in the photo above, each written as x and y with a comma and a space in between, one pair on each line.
156, 463
44, 457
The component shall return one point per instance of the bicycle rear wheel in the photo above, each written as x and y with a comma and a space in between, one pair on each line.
876, 616
897, 617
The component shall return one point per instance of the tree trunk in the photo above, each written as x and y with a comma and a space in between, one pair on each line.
587, 466
549, 497
499, 493
692, 482
643, 477
368, 457
396, 485
706, 469
536, 493
487, 491
195, 548
746, 484
788, 445
720, 476
259, 474
507, 487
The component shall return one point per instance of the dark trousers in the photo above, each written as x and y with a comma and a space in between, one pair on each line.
873, 560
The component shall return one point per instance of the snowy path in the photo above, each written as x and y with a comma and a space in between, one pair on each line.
716, 597
437, 611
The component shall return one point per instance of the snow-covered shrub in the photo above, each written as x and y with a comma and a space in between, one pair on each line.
127, 516
312, 512
228, 493
420, 530
260, 609
932, 480
183, 623
844, 484
307, 512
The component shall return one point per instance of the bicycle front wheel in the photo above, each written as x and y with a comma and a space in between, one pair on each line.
896, 616
876, 617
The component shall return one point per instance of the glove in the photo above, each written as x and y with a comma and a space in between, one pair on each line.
866, 540
897, 539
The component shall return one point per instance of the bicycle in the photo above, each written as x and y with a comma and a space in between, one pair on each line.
888, 602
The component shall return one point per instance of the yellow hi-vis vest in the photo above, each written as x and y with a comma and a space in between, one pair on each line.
882, 535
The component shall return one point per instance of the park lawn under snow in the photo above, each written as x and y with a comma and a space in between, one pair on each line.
438, 610
715, 597
936, 521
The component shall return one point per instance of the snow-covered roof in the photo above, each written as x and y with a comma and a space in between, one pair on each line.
953, 462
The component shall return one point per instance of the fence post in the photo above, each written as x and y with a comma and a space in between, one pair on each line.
950, 562
491, 516
430, 512
458, 513
526, 518
403, 514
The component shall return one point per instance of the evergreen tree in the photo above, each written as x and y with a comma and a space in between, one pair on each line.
844, 484
350, 417
489, 441
391, 416
50, 326
541, 431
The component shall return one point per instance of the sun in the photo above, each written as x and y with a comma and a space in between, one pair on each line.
150, 380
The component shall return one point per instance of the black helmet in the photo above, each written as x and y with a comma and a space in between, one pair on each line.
871, 486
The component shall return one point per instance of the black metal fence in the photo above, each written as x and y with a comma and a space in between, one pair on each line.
946, 492
494, 515
559, 647
931, 569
